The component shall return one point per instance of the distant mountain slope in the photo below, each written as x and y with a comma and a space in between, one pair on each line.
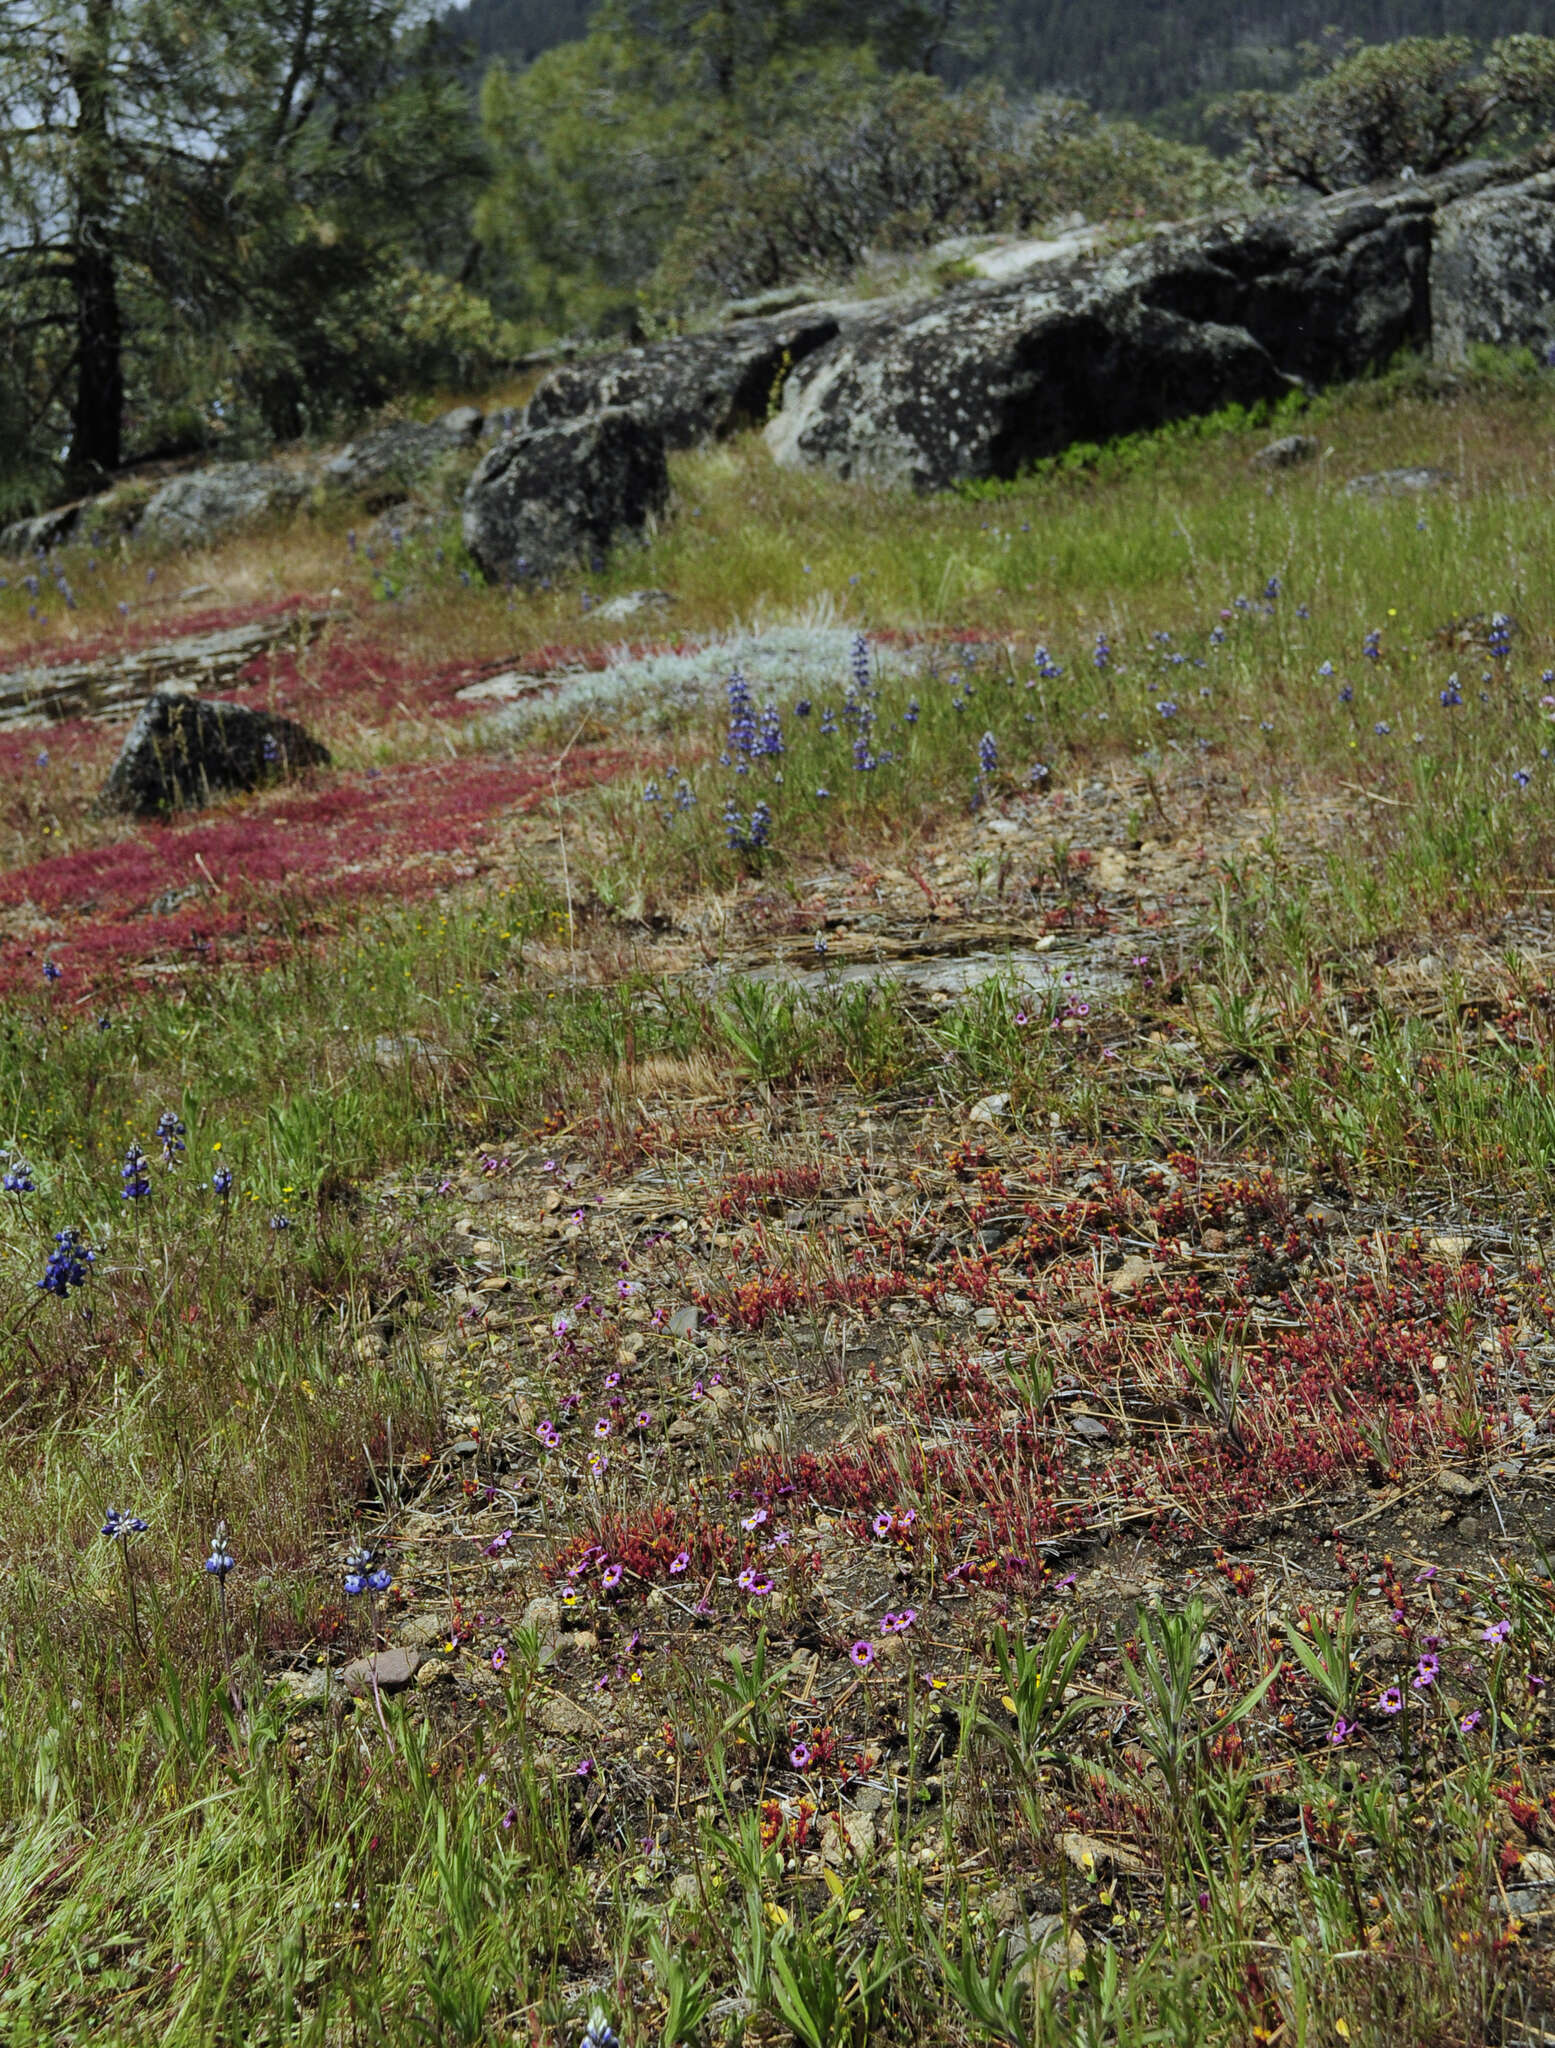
518, 28
1139, 56
1134, 56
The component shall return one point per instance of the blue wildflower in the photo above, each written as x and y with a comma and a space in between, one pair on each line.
119, 1528
170, 1136
1452, 694
859, 662
742, 720
18, 1179
1167, 708
221, 1560
987, 754
599, 2033
1371, 646
911, 714
803, 708
67, 1264
769, 737
221, 1181
135, 1174
1102, 658
1521, 777
52, 970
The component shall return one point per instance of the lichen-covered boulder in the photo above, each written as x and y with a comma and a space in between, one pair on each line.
1493, 271
383, 467
548, 499
983, 383
693, 388
183, 749
992, 376
209, 502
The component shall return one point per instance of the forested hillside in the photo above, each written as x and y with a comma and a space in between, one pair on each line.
1134, 56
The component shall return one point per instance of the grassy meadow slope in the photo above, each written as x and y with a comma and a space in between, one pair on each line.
917, 1290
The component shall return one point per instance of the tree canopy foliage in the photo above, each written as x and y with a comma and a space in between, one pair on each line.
1418, 105
227, 207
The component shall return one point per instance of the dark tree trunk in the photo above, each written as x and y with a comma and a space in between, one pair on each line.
96, 424
97, 417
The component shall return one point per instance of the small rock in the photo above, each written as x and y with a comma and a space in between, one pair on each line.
555, 1714
1469, 1527
1537, 1867
1090, 1856
1086, 1425
485, 1248
1458, 1485
989, 1110
1452, 1245
466, 1447
847, 1838
433, 1672
1287, 452
986, 1318
304, 1688
1044, 1948
683, 1322
423, 1631
1396, 483
544, 1616
392, 1669
1129, 1275
369, 1346
632, 604
183, 748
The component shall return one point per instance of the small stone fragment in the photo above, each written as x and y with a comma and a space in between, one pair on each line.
1458, 1485
555, 1714
1129, 1275
1450, 1244
393, 1670
1090, 1856
1286, 453
847, 1838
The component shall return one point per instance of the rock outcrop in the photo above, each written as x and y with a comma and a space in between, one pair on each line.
1493, 271
982, 384
384, 467
551, 497
991, 377
694, 388
182, 749
213, 501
